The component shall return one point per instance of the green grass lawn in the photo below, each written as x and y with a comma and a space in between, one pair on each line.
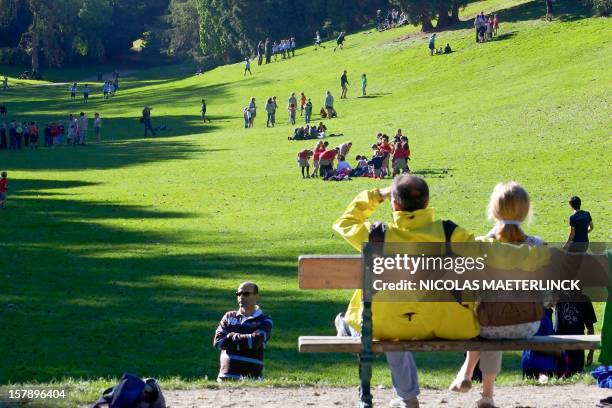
123, 256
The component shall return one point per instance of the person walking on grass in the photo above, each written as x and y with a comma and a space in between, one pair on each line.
581, 224
364, 84
3, 189
98, 126
252, 112
432, 44
292, 109
83, 127
247, 66
5, 83
271, 111
344, 85
203, 111
302, 103
340, 41
73, 91
86, 93
146, 120
307, 111
318, 41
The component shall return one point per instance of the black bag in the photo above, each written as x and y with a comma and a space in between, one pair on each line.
133, 392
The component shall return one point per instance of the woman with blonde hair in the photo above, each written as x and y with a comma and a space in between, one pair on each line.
509, 206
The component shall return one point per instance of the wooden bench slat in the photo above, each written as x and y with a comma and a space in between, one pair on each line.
333, 344
330, 271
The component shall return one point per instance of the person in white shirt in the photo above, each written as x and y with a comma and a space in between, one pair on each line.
83, 124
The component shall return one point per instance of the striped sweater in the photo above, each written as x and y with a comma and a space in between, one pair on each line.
242, 340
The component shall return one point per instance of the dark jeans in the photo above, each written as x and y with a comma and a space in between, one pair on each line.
271, 119
147, 127
324, 169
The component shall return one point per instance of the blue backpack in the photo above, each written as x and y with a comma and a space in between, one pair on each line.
132, 392
537, 362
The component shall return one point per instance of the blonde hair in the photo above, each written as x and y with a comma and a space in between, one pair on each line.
509, 202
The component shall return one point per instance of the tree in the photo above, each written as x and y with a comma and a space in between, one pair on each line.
600, 7
94, 24
419, 12
183, 30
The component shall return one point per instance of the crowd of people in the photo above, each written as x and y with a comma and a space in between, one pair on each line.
393, 18
303, 104
17, 135
109, 88
387, 159
485, 27
267, 49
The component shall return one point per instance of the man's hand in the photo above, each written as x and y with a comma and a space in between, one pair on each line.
384, 192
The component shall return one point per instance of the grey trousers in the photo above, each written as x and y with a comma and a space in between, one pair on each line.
404, 374
490, 362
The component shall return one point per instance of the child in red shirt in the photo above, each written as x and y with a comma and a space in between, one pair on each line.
3, 187
303, 157
318, 150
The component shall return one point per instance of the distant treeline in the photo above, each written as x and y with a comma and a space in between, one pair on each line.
56, 33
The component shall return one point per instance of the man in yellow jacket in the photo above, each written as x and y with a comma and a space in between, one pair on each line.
413, 221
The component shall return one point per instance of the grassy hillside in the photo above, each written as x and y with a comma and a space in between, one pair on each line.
122, 256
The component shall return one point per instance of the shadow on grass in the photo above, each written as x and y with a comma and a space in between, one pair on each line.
432, 173
84, 298
533, 10
100, 155
374, 95
505, 36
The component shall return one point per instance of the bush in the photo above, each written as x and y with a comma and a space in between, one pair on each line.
600, 7
13, 56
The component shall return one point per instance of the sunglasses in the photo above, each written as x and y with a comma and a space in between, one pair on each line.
245, 294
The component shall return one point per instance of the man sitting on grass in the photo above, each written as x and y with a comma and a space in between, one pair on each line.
242, 336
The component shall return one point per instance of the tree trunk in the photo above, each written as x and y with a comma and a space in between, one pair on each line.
454, 13
443, 19
426, 24
35, 63
35, 43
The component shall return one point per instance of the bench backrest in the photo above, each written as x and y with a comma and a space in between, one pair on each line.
330, 272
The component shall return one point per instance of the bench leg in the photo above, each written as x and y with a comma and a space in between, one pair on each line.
365, 377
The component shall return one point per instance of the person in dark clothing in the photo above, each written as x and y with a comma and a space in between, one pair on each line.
268, 50
344, 85
581, 224
203, 111
242, 336
260, 52
146, 120
573, 318
340, 41
448, 49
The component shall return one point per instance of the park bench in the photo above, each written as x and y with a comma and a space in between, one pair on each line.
346, 272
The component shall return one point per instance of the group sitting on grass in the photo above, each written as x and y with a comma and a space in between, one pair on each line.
385, 156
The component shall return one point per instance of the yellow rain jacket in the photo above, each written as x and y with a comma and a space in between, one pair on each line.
423, 320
